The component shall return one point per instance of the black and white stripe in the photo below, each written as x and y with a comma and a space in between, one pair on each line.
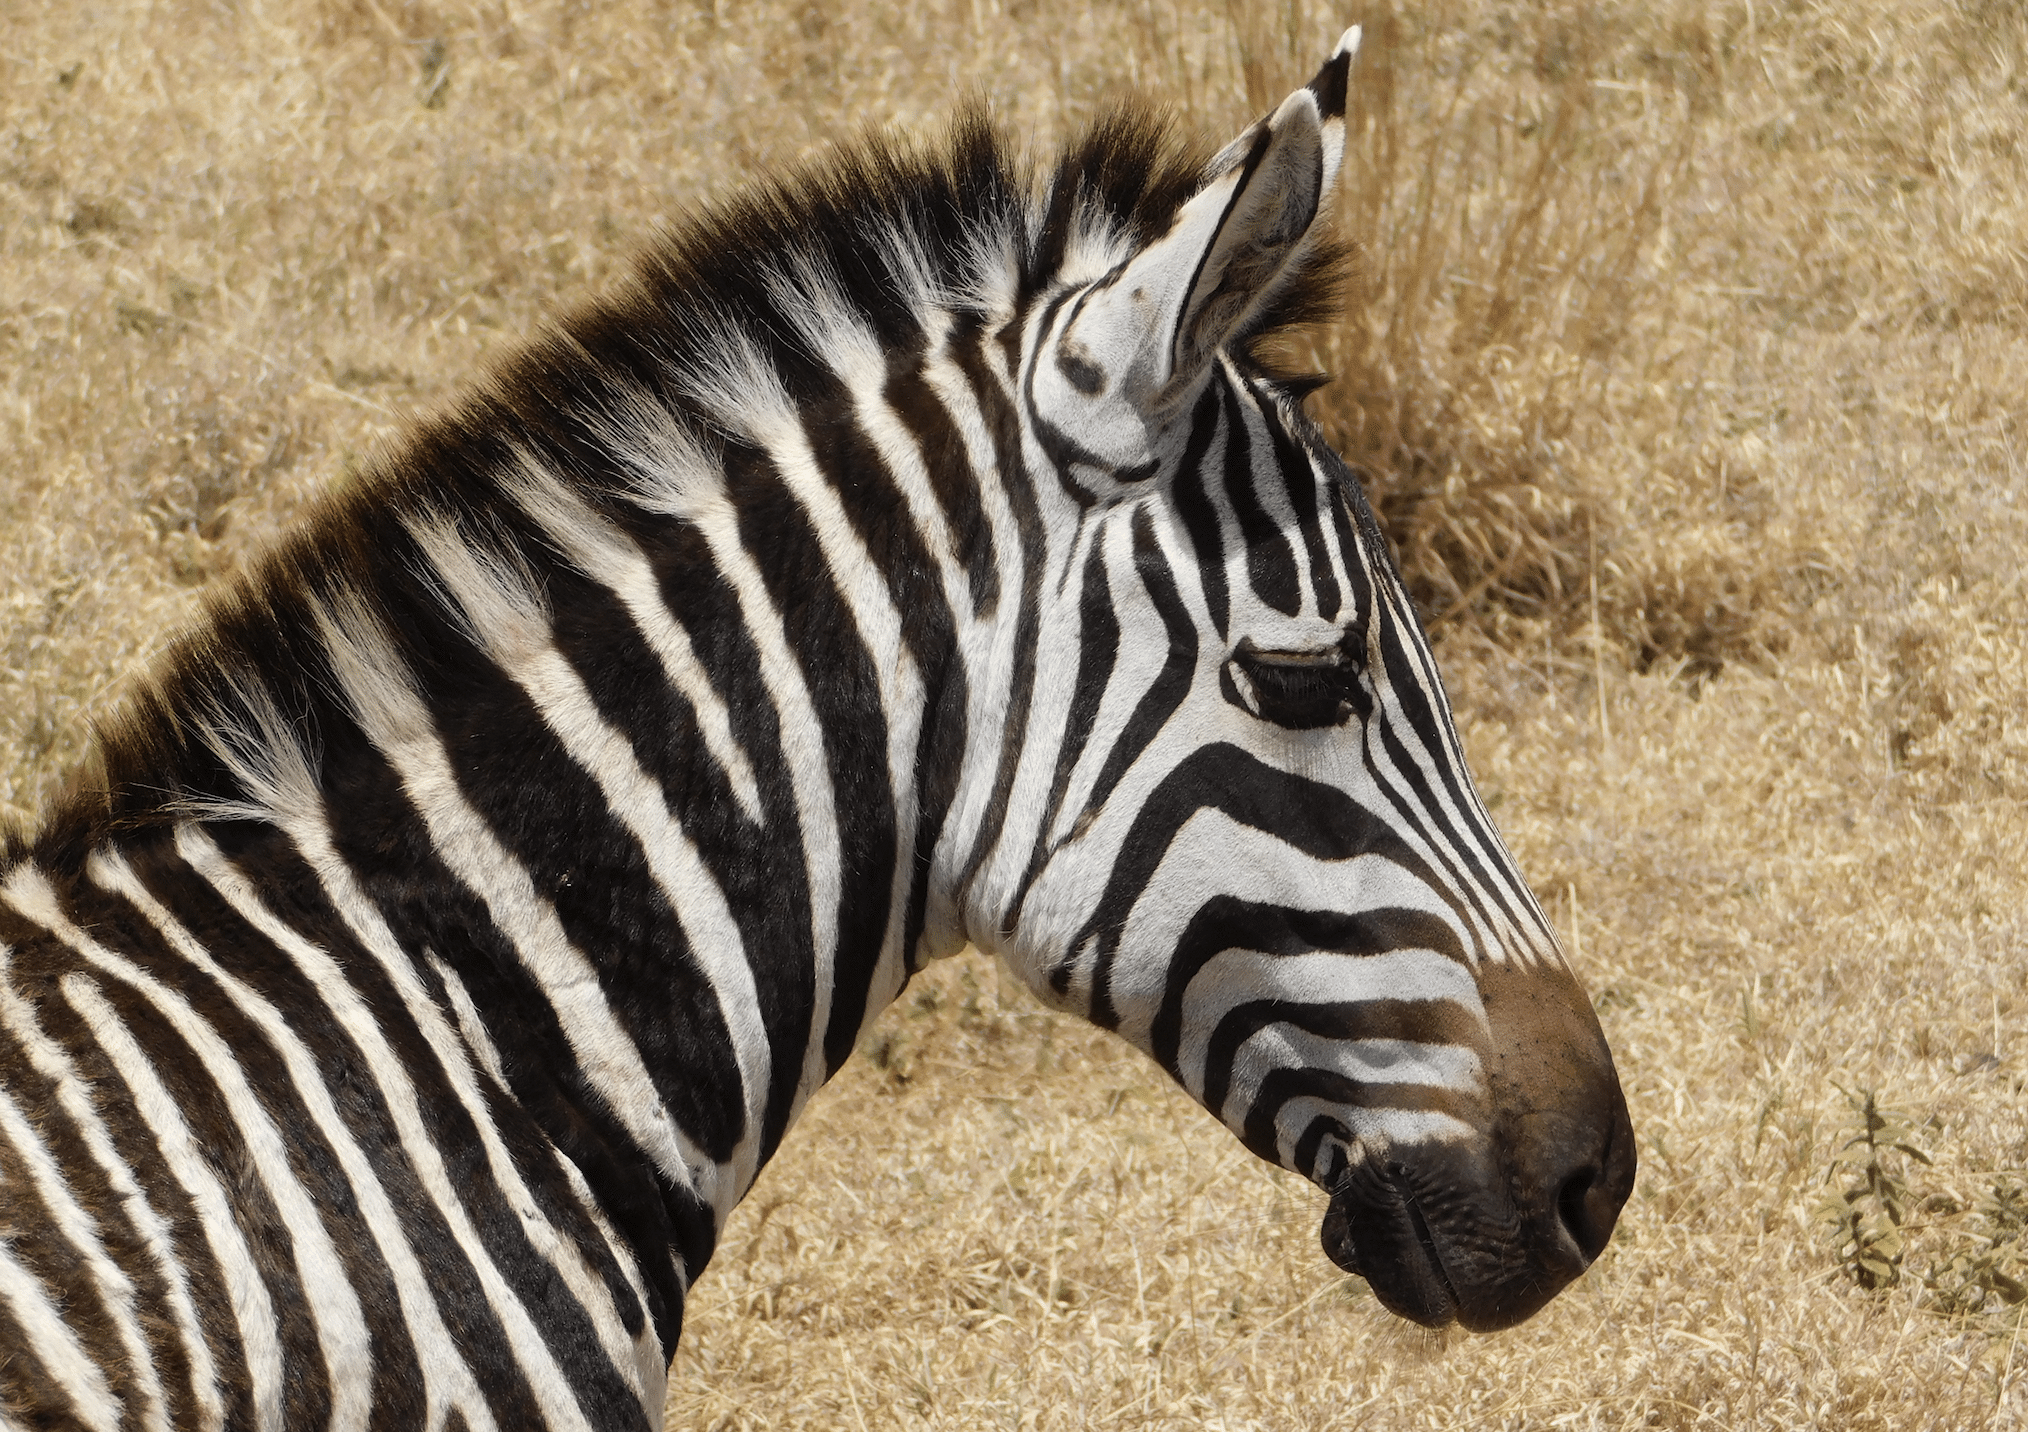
917, 554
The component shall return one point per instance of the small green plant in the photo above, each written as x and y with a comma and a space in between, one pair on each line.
1869, 1214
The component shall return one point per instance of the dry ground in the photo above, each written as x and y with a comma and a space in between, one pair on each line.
1688, 355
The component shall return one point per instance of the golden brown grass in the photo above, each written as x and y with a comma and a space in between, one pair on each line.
1688, 355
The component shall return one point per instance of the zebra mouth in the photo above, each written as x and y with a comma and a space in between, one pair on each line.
1374, 1228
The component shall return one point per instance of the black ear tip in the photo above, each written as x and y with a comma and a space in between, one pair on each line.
1330, 84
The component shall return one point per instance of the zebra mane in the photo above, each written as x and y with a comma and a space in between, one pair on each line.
736, 307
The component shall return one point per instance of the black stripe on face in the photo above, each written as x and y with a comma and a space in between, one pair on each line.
1303, 1158
1159, 702
1339, 490
1379, 598
1335, 1089
1318, 821
1152, 712
1098, 649
1200, 517
1417, 800
1503, 880
1270, 559
1229, 922
1417, 1021
1299, 479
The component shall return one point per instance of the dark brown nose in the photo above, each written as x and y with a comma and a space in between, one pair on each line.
1560, 1127
1589, 1201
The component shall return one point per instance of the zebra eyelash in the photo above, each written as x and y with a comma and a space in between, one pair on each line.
1329, 657
1297, 690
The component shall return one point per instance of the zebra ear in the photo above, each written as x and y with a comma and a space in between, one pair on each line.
1184, 297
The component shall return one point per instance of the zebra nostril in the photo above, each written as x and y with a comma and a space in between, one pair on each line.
1573, 1207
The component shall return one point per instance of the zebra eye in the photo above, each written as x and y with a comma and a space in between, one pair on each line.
1300, 690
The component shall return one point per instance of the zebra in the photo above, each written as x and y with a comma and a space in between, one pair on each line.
920, 552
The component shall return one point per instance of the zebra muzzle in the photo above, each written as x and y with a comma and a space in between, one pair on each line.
1484, 1231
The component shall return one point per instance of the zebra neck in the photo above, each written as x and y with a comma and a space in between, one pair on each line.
658, 849
641, 763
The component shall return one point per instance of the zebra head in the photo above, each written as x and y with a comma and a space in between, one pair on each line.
1240, 830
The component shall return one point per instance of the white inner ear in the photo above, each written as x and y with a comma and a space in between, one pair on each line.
1263, 230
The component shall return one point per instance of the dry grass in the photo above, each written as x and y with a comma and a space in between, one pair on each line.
1688, 359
